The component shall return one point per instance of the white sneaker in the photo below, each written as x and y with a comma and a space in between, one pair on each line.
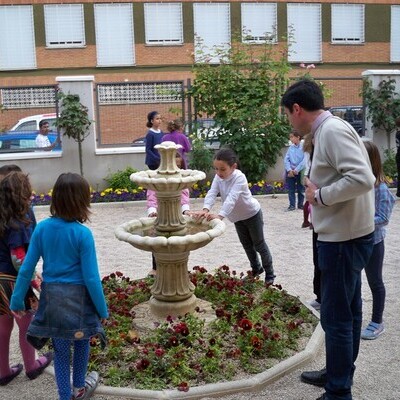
315, 304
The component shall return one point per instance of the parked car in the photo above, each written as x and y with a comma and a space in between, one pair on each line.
19, 142
207, 130
139, 142
31, 123
352, 114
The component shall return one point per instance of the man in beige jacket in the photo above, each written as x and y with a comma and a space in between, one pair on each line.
340, 189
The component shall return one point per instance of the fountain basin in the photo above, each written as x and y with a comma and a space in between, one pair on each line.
132, 232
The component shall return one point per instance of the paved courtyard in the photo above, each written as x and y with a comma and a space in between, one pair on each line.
377, 366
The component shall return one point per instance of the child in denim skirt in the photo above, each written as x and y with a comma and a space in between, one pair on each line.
72, 301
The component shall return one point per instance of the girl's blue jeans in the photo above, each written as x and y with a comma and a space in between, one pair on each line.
373, 270
341, 264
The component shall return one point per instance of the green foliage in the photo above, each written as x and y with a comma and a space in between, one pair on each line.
389, 164
73, 120
383, 105
243, 95
200, 157
121, 180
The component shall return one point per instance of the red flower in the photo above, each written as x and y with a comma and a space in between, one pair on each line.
183, 387
159, 352
245, 324
256, 342
173, 341
142, 364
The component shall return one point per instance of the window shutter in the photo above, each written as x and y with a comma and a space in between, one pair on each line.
347, 23
64, 25
114, 34
259, 22
163, 23
304, 38
17, 38
395, 34
212, 29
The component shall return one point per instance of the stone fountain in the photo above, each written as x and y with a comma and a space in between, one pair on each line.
171, 235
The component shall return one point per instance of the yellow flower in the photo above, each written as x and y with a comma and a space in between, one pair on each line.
102, 194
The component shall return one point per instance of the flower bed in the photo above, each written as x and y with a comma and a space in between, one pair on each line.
255, 328
198, 190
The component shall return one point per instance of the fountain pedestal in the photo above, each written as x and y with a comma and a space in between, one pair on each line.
172, 291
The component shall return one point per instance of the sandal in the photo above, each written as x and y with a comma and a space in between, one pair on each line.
16, 371
91, 382
43, 365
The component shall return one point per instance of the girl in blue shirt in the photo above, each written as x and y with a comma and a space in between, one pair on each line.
72, 300
384, 201
154, 136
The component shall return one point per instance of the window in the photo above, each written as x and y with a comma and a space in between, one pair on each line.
140, 93
64, 24
163, 23
114, 34
212, 30
347, 23
17, 43
304, 38
259, 22
395, 34
28, 97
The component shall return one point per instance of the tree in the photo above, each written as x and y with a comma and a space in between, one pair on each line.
243, 95
74, 121
383, 105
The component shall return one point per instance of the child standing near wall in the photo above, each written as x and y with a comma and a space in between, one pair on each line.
176, 135
384, 201
72, 299
154, 136
15, 235
241, 208
294, 164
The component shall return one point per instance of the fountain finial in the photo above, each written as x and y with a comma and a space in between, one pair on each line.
167, 152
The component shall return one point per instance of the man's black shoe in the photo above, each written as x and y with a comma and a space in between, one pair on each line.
316, 378
323, 397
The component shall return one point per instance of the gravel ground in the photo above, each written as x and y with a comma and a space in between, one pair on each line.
377, 365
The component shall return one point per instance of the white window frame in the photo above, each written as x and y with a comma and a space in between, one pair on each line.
304, 39
212, 30
348, 23
395, 33
17, 38
64, 25
259, 22
115, 40
163, 24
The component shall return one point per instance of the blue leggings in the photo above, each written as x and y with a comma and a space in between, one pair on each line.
62, 361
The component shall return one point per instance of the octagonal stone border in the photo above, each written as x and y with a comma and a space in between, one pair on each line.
254, 383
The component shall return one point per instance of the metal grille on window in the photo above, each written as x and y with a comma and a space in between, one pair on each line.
139, 93
28, 97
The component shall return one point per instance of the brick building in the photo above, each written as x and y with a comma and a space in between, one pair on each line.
136, 41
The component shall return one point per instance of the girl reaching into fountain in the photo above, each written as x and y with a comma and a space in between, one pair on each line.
152, 205
72, 299
241, 208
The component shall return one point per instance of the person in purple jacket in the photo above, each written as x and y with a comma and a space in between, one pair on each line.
176, 135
